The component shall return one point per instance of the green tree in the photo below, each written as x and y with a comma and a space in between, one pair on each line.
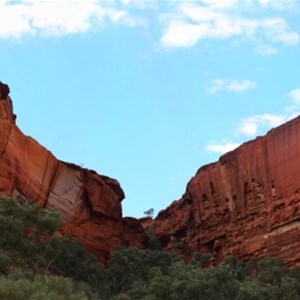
130, 264
25, 231
70, 258
270, 270
153, 241
149, 212
5, 263
240, 268
50, 288
200, 259
28, 240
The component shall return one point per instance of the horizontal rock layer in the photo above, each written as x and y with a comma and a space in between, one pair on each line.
246, 204
90, 203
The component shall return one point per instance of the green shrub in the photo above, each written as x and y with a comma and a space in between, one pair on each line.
29, 242
50, 288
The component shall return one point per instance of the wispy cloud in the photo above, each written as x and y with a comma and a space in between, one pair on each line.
250, 127
57, 18
180, 23
234, 86
293, 106
265, 49
221, 148
295, 96
140, 4
210, 19
278, 4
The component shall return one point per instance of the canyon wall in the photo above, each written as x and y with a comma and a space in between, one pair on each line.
90, 204
246, 204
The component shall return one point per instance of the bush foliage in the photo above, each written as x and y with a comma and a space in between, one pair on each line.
35, 263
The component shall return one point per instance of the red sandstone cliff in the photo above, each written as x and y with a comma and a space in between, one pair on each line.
246, 204
90, 203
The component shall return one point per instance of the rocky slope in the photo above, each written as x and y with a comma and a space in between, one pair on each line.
246, 204
90, 203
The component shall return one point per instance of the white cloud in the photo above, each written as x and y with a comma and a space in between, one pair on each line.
278, 4
220, 4
234, 86
265, 50
264, 2
221, 148
56, 18
211, 19
140, 4
200, 13
217, 84
295, 96
185, 22
240, 86
249, 126
126, 2
293, 106
288, 38
183, 35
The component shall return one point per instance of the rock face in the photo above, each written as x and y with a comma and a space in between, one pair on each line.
90, 203
246, 204
134, 233
4, 90
6, 107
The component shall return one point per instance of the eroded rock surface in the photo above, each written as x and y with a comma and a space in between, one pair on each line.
246, 204
4, 90
90, 203
134, 233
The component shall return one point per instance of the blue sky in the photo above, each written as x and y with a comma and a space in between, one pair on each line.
149, 91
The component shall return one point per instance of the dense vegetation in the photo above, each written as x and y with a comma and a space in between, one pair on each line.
37, 264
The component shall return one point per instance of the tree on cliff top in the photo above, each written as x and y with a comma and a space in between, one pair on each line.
149, 212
